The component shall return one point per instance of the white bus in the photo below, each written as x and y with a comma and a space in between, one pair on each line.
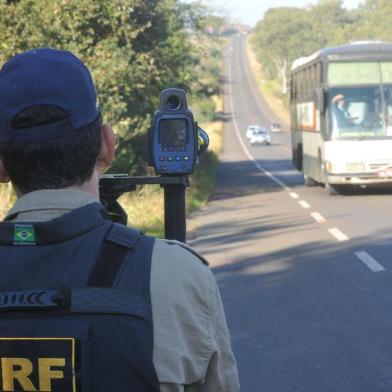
341, 115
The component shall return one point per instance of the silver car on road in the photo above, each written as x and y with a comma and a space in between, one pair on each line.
258, 135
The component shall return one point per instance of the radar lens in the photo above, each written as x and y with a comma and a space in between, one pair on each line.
173, 103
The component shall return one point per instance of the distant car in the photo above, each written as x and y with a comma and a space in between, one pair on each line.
275, 127
251, 129
260, 136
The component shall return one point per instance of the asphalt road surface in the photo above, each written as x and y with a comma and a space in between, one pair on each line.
305, 277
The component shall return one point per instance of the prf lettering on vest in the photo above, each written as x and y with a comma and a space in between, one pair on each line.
17, 373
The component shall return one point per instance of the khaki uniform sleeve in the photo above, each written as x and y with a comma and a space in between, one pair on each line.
192, 351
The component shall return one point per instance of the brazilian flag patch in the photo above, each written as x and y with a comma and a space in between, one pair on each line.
24, 234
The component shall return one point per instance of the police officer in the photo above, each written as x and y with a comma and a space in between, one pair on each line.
92, 305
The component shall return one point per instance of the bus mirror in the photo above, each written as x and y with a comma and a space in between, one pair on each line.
321, 97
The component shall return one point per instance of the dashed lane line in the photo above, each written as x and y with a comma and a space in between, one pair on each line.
294, 195
340, 236
369, 261
318, 217
304, 204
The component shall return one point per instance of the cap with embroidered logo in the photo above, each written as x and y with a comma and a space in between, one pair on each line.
45, 76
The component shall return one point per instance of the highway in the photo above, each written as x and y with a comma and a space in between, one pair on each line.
305, 277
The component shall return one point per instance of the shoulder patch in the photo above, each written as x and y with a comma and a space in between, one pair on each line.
190, 249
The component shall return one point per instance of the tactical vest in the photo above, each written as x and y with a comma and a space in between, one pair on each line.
75, 307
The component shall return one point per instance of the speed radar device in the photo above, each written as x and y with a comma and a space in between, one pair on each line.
175, 143
173, 137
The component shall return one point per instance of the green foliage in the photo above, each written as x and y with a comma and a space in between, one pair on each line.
288, 33
375, 17
203, 109
134, 49
332, 23
279, 36
202, 181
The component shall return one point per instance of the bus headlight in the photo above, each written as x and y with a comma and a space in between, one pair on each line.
329, 166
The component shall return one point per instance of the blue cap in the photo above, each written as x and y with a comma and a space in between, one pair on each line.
45, 77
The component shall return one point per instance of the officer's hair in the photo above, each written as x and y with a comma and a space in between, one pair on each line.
66, 161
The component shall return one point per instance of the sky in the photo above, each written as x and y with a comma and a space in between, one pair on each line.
251, 11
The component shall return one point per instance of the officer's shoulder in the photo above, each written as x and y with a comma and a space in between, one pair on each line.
179, 268
176, 250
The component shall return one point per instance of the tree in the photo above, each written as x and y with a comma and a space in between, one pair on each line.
288, 33
133, 50
332, 22
375, 16
283, 35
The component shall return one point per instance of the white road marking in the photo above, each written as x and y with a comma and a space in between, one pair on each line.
304, 204
318, 217
249, 155
338, 234
369, 261
294, 195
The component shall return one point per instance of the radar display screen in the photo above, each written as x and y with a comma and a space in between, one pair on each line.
173, 135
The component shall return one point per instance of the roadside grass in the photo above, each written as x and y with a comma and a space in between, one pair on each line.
271, 89
145, 209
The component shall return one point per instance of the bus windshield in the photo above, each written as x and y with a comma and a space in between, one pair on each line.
360, 112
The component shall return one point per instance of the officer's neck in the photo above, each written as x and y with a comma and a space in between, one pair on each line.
91, 186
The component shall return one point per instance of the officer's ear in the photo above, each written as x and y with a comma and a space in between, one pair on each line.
106, 155
4, 177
